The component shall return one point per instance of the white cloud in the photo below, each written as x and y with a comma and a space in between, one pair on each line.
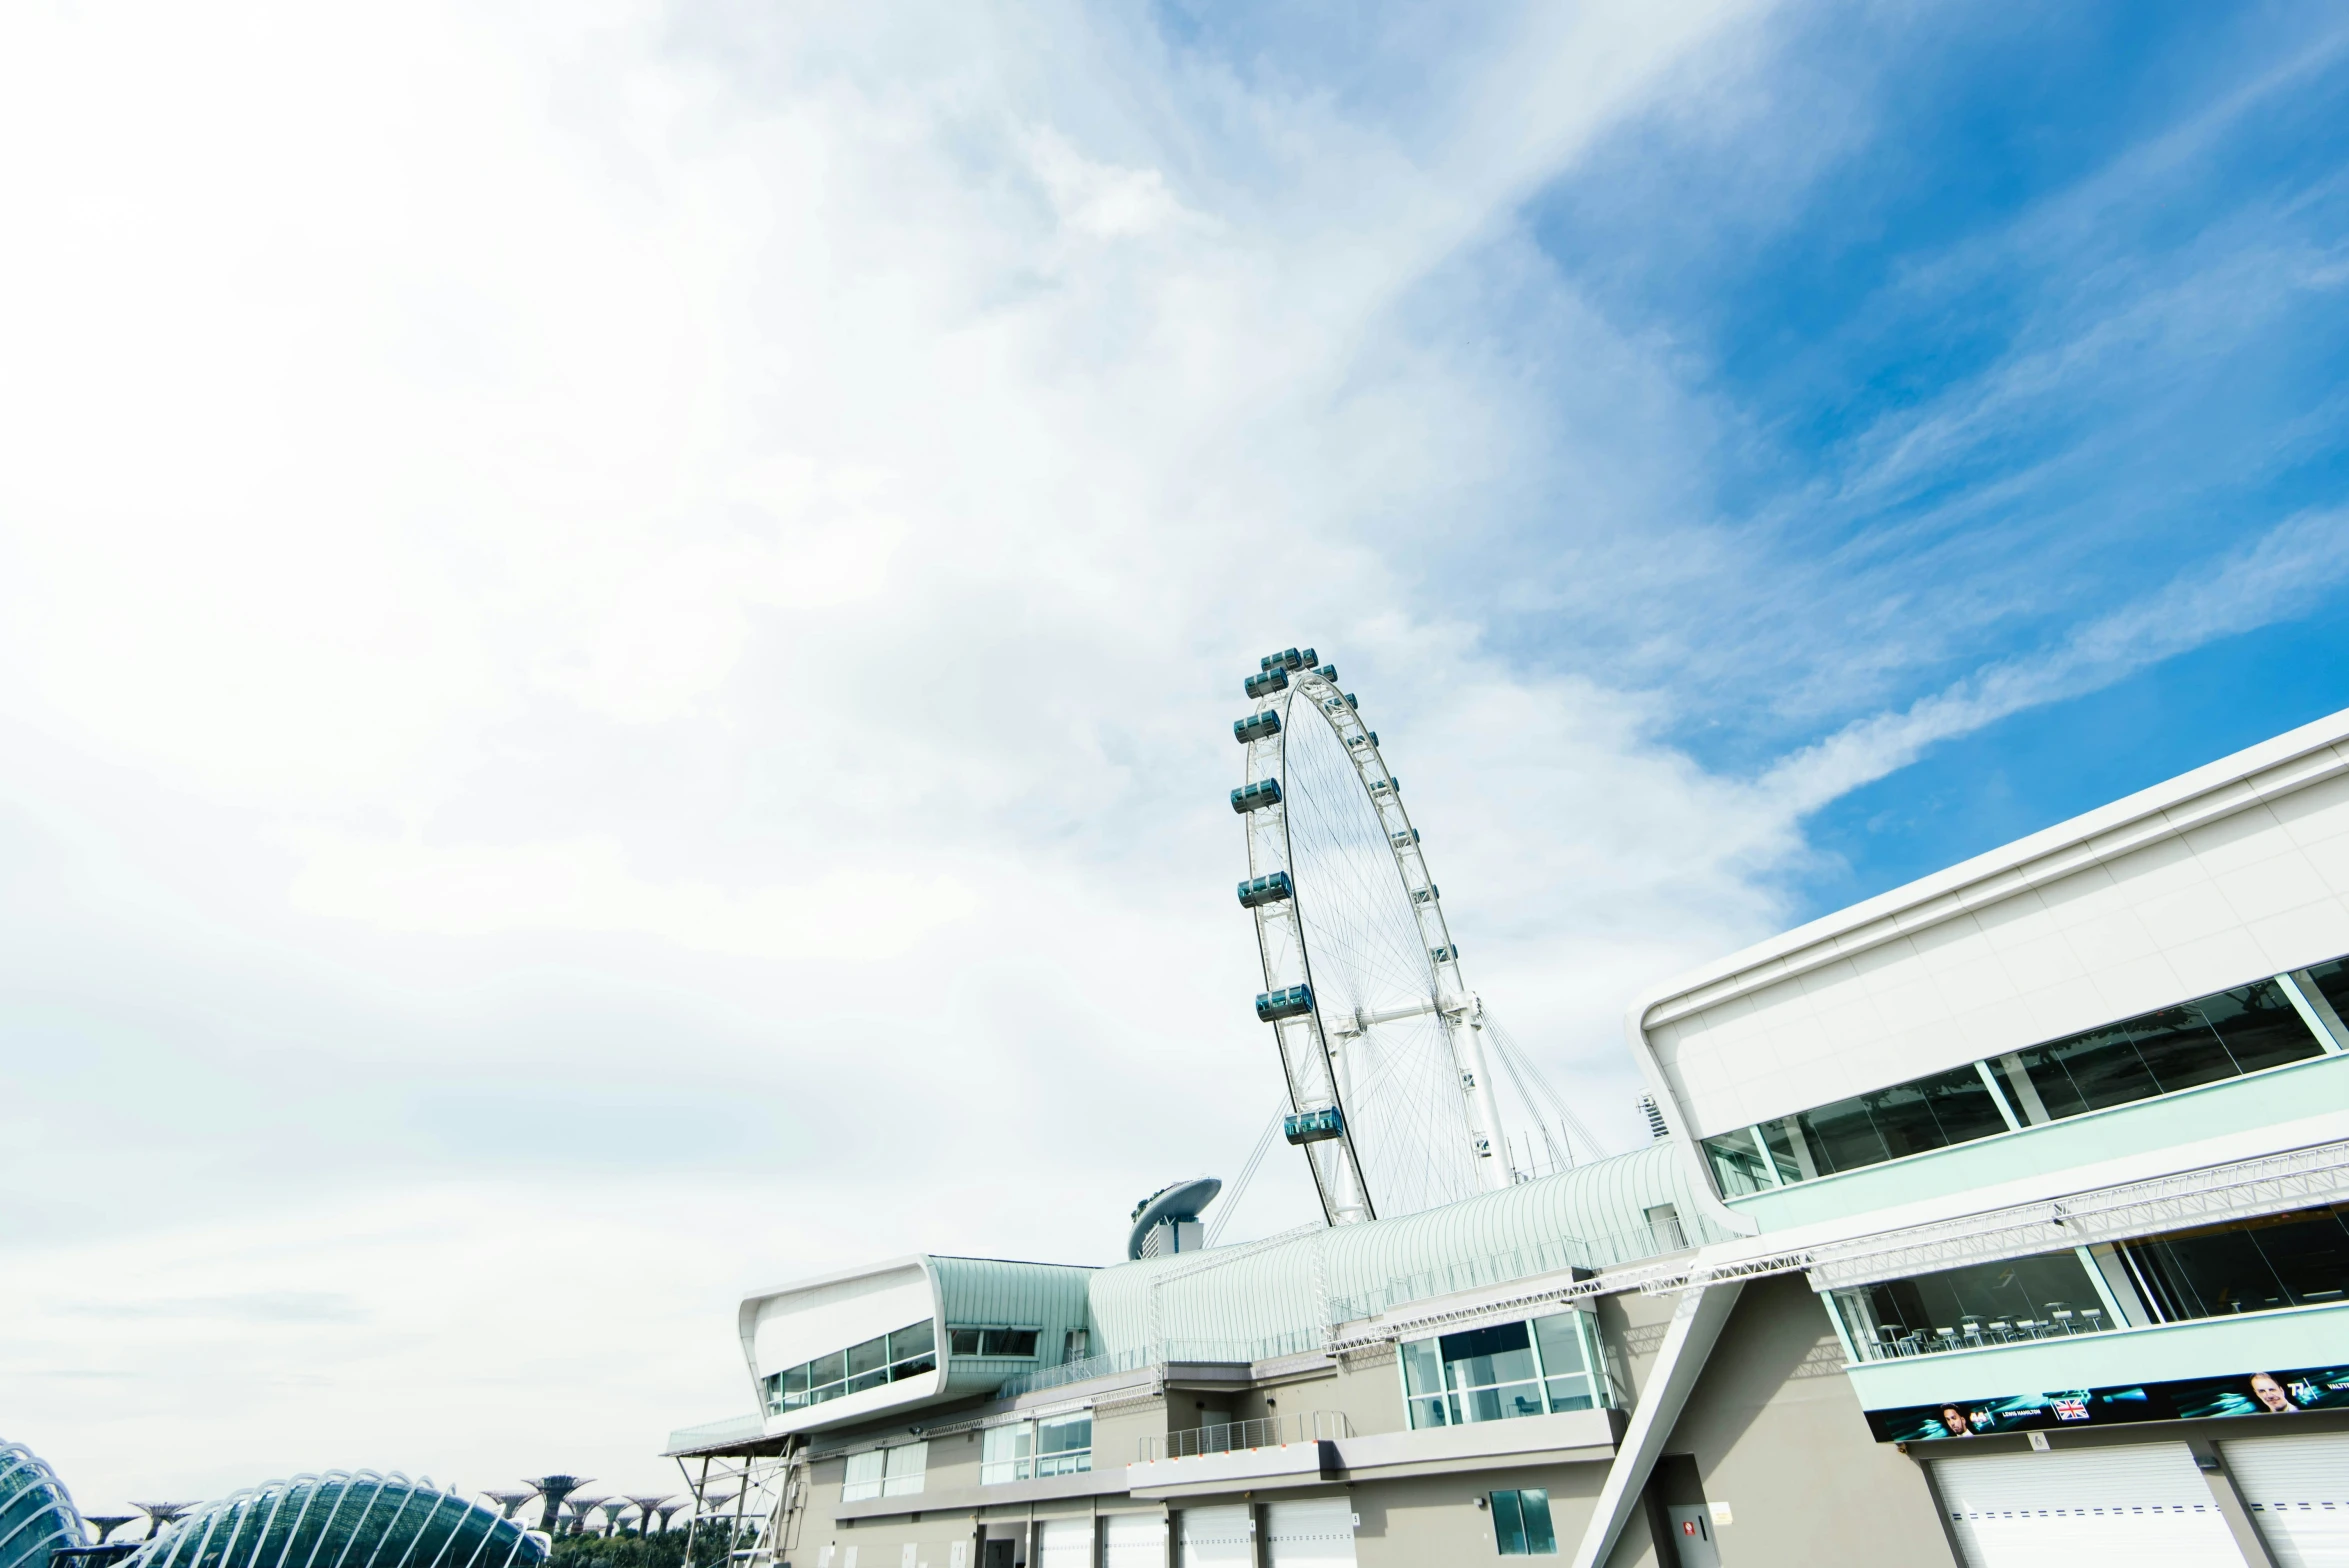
618, 627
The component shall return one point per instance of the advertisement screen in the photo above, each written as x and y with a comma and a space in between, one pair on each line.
2278, 1393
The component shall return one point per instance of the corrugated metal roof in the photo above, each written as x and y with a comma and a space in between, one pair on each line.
994, 1292
1260, 1299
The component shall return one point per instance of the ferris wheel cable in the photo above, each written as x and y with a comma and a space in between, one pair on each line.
1511, 1065
1239, 1188
1566, 1117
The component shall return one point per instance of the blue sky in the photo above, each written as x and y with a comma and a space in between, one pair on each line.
624, 647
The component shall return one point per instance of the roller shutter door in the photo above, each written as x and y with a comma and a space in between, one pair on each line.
1133, 1541
2144, 1505
1217, 1538
1065, 1543
1314, 1533
2298, 1491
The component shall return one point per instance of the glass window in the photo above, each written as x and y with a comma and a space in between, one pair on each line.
865, 1474
2285, 1260
1007, 1342
1423, 1382
1737, 1164
1508, 1524
1007, 1453
2162, 1052
902, 1475
962, 1341
2332, 983
1565, 1362
1908, 1118
828, 1369
916, 1339
1501, 1372
1521, 1523
869, 1356
2213, 1038
1064, 1445
2049, 1296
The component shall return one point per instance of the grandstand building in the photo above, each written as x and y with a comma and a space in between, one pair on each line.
1997, 1220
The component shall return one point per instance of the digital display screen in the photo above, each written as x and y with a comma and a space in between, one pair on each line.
2279, 1392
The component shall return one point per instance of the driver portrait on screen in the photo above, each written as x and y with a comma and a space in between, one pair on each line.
1953, 1422
2271, 1395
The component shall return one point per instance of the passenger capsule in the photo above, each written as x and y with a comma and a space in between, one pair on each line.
1366, 738
1305, 660
1257, 796
1293, 1002
1271, 680
1260, 891
1328, 672
1316, 1126
1404, 839
1256, 726
1424, 895
1445, 955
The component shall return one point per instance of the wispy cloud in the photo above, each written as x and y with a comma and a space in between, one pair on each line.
2289, 569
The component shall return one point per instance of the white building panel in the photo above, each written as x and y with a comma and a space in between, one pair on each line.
2144, 1505
799, 1325
1064, 1543
1133, 1541
1314, 1532
2297, 1489
1219, 1537
2204, 884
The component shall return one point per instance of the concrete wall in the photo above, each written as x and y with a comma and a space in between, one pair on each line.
1777, 1433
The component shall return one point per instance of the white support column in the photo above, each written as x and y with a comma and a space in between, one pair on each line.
1697, 1320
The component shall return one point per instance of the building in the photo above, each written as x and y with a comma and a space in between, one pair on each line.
1999, 1220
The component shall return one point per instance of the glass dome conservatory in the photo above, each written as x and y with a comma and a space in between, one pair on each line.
354, 1519
36, 1514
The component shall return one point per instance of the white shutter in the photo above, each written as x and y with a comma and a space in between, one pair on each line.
1314, 1533
2144, 1505
2298, 1492
1217, 1538
1133, 1541
1065, 1543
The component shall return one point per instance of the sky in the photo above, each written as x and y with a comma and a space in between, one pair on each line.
618, 621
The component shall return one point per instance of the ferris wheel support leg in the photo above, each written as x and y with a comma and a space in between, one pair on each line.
1484, 1110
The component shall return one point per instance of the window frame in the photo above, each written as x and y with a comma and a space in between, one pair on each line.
1763, 1158
1450, 1403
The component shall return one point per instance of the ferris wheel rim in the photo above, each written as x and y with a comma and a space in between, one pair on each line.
1436, 957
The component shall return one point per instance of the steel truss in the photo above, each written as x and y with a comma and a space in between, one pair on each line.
753, 1498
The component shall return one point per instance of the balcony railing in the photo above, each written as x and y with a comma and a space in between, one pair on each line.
1238, 1436
1894, 1342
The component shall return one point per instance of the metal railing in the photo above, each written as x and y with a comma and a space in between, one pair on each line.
1895, 1343
1239, 1436
1228, 1351
1550, 1257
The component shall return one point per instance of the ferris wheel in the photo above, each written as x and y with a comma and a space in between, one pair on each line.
1380, 1040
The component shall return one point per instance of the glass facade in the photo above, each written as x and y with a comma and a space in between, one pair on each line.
2287, 1260
1028, 1450
1503, 1371
353, 1520
1521, 1522
2043, 1297
2299, 1259
885, 1358
2225, 1035
36, 1515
